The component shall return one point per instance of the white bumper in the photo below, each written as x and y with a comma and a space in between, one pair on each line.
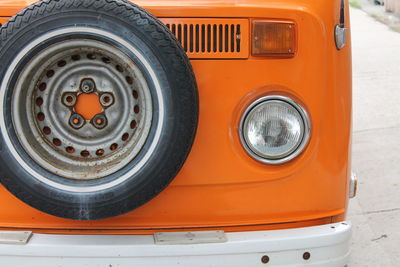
327, 245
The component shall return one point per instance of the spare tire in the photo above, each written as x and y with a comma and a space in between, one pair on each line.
99, 107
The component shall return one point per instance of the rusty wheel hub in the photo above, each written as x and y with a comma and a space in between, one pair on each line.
89, 109
88, 105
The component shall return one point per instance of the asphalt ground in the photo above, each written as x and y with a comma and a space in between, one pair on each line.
375, 212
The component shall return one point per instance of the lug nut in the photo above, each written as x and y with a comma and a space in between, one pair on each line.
99, 121
87, 86
106, 99
76, 121
69, 99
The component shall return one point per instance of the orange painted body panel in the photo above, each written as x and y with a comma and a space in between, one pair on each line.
3, 20
220, 186
88, 105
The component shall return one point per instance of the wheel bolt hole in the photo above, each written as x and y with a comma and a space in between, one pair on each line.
75, 57
70, 99
119, 68
46, 130
76, 121
99, 121
106, 60
129, 80
85, 153
306, 256
135, 94
265, 259
136, 109
61, 63
100, 152
70, 149
125, 137
42, 86
113, 146
88, 86
40, 116
57, 142
39, 101
106, 99
50, 73
91, 56
133, 124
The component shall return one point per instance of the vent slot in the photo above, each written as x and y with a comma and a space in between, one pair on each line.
211, 38
225, 38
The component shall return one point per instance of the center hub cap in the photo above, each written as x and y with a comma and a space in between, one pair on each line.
88, 105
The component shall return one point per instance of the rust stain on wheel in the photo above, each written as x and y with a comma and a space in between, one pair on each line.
84, 97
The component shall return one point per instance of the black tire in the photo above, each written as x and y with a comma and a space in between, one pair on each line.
180, 108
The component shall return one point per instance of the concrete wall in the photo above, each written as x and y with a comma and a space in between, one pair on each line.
393, 6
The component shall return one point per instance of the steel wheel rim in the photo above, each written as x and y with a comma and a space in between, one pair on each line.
56, 74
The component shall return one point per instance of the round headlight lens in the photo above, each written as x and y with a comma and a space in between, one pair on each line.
275, 129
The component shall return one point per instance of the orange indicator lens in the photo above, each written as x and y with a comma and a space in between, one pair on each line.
273, 38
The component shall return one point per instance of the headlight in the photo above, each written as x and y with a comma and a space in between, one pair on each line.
274, 129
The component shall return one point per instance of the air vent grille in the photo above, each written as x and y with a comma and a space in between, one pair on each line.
211, 38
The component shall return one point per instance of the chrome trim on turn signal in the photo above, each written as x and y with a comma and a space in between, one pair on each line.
340, 36
353, 185
341, 30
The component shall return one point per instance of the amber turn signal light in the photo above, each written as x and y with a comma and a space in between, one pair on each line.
272, 38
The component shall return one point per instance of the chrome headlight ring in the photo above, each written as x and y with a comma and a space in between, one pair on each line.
297, 112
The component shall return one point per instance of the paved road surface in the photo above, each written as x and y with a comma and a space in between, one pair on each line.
376, 143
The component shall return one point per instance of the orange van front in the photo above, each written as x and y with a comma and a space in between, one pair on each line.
221, 187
